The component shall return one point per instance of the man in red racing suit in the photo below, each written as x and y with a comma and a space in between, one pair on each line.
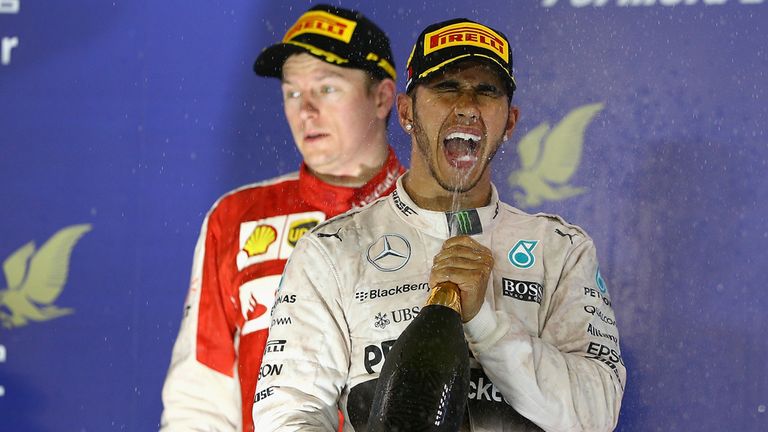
337, 112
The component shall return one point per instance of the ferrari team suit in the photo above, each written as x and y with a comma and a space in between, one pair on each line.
243, 246
545, 344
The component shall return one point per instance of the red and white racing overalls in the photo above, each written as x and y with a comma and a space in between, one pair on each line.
243, 246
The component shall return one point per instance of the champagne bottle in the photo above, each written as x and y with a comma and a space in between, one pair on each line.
424, 382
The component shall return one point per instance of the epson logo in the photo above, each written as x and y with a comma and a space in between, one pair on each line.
375, 293
275, 346
522, 290
603, 352
269, 370
607, 356
375, 354
263, 394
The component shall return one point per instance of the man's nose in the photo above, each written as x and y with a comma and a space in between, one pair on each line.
467, 108
308, 107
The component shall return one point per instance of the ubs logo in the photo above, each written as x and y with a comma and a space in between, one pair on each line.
381, 320
389, 253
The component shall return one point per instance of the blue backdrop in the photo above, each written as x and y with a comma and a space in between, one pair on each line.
121, 122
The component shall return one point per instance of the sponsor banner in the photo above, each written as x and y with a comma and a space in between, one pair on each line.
647, 3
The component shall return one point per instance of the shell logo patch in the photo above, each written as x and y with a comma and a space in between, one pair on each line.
260, 239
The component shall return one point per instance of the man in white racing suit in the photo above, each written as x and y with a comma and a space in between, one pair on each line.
537, 314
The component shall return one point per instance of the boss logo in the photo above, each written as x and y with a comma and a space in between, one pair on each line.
522, 290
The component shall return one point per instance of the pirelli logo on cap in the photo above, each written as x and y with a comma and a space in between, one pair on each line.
322, 23
466, 34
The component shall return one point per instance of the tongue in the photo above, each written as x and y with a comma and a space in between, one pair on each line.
457, 149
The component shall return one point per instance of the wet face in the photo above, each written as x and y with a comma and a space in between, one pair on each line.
459, 119
335, 115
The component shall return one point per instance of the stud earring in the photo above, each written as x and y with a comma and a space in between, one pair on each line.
409, 127
505, 137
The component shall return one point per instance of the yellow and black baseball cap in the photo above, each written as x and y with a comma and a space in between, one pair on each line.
339, 36
444, 43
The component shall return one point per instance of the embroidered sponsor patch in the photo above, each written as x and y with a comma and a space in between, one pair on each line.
466, 34
521, 254
322, 23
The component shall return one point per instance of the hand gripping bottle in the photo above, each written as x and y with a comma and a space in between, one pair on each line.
424, 382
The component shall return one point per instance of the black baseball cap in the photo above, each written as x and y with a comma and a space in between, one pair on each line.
444, 43
339, 36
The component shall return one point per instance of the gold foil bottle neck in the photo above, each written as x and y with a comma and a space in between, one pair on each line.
445, 294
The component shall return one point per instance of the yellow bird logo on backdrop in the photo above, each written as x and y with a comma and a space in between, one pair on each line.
37, 278
549, 158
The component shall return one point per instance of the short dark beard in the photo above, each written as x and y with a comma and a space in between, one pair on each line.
422, 143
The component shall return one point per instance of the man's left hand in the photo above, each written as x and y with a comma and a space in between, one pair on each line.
468, 264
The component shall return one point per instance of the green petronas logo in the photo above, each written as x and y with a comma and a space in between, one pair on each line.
550, 157
36, 278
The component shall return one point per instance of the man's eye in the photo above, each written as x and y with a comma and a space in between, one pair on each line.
489, 90
292, 94
327, 89
446, 87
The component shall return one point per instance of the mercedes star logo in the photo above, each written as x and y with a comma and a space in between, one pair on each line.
389, 253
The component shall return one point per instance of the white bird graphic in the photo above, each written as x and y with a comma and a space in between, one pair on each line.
36, 278
549, 159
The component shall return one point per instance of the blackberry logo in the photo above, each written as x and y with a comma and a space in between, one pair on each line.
375, 293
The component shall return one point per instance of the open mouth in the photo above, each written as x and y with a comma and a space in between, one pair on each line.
461, 149
310, 137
